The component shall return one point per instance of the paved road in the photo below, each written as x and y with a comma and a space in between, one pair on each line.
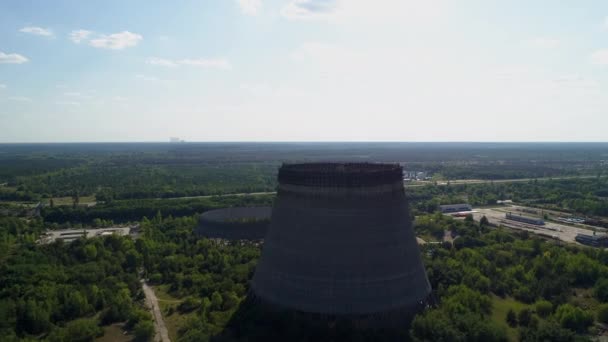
495, 181
160, 329
407, 185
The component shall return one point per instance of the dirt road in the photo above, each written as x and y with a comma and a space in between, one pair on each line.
160, 329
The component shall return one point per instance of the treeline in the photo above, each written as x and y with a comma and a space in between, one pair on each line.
135, 210
133, 179
212, 278
486, 262
580, 195
63, 292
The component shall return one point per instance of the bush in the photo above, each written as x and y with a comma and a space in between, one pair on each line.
543, 308
524, 317
144, 331
511, 318
189, 304
602, 313
573, 318
137, 316
82, 330
600, 290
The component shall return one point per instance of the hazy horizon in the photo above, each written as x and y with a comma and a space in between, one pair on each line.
303, 71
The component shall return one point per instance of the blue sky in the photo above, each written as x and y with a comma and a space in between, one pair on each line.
303, 70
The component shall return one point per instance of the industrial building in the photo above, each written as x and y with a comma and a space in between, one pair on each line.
455, 208
525, 219
592, 240
341, 243
238, 223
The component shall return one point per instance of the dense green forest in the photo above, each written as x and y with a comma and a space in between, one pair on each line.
59, 291
490, 284
65, 292
586, 196
137, 171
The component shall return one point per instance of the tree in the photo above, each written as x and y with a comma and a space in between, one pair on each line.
216, 301
543, 308
600, 290
484, 221
573, 318
90, 252
83, 330
511, 318
75, 199
524, 317
144, 331
602, 313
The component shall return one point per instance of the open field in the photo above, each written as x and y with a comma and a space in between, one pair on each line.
500, 307
59, 201
114, 333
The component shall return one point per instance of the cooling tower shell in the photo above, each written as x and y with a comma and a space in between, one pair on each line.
340, 242
235, 223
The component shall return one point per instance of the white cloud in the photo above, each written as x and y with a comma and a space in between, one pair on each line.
206, 63
67, 103
38, 31
77, 95
400, 12
250, 7
116, 41
575, 81
600, 57
605, 23
19, 99
78, 36
146, 78
161, 62
218, 63
542, 42
309, 9
12, 58
2, 86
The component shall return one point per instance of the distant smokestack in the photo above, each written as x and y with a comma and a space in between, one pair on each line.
340, 242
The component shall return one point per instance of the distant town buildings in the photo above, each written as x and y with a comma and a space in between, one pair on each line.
69, 235
414, 175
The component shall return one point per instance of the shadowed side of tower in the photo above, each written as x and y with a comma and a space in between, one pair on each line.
341, 242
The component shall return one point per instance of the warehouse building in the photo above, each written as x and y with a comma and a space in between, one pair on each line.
455, 208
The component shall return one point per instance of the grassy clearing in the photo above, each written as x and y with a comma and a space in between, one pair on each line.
175, 320
583, 298
500, 307
61, 201
114, 333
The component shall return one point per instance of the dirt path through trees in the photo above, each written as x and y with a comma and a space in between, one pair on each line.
160, 329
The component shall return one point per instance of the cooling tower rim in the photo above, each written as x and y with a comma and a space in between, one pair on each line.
341, 167
340, 174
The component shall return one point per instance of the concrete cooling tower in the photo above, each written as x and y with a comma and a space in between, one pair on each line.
340, 242
238, 223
